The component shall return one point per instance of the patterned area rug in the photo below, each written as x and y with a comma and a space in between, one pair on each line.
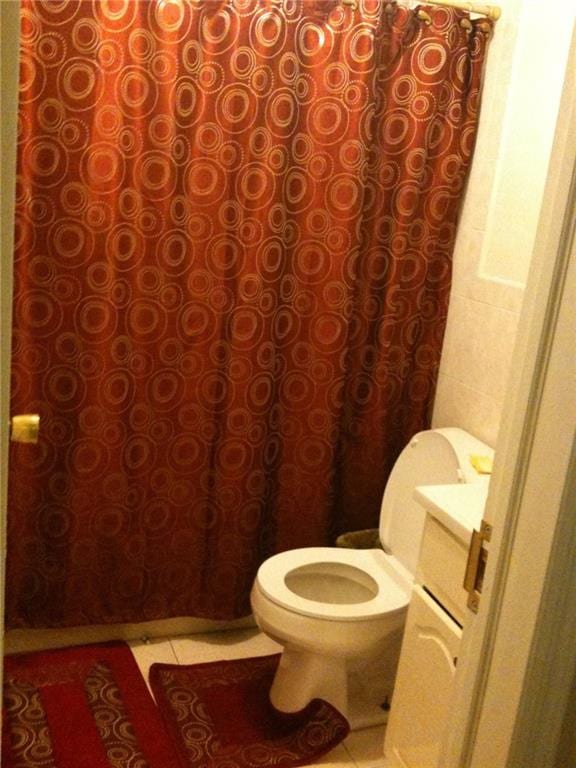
85, 707
219, 716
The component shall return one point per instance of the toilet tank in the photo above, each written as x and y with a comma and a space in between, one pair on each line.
433, 457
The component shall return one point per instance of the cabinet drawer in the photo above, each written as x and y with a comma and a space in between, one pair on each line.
442, 566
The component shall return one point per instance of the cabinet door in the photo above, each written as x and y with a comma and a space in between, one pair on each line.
423, 685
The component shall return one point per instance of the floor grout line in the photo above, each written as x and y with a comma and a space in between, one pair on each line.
174, 651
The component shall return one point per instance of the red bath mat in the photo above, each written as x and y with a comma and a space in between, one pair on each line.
85, 707
219, 716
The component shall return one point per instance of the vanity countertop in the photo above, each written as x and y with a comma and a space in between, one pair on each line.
458, 507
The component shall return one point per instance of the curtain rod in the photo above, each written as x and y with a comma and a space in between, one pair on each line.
491, 11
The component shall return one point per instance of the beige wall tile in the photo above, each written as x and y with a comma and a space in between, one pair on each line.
478, 346
458, 405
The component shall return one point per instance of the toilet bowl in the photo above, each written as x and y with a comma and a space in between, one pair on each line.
327, 606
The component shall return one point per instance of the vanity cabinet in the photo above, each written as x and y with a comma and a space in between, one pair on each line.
427, 666
423, 685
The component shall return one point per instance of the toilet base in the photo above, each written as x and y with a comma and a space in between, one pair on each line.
360, 688
302, 676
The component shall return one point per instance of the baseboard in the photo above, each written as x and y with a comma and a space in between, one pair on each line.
26, 640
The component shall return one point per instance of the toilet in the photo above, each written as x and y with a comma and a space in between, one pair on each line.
329, 606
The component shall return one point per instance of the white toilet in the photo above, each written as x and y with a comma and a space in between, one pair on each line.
327, 605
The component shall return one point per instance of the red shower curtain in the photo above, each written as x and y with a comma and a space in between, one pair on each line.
234, 231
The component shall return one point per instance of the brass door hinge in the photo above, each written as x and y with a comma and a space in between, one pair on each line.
476, 565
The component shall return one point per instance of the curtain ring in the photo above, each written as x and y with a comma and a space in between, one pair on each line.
466, 24
425, 17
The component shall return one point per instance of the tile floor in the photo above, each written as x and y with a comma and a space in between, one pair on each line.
361, 749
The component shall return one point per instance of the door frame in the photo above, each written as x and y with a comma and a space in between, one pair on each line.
9, 45
513, 688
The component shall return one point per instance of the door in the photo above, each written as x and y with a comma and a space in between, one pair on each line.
9, 26
509, 706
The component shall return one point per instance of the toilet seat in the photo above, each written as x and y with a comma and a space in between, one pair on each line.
381, 577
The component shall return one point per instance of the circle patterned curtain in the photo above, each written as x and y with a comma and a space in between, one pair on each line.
234, 230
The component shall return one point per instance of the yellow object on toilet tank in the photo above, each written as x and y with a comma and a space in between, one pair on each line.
482, 464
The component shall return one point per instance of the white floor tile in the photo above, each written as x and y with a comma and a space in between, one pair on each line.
152, 652
216, 646
366, 747
336, 758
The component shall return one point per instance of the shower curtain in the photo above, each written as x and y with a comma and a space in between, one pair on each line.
233, 252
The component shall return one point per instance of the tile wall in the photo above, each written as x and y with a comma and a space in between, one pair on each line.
526, 64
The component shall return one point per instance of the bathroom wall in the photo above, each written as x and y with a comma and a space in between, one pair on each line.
526, 65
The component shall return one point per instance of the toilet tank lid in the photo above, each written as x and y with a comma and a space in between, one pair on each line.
466, 446
432, 457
